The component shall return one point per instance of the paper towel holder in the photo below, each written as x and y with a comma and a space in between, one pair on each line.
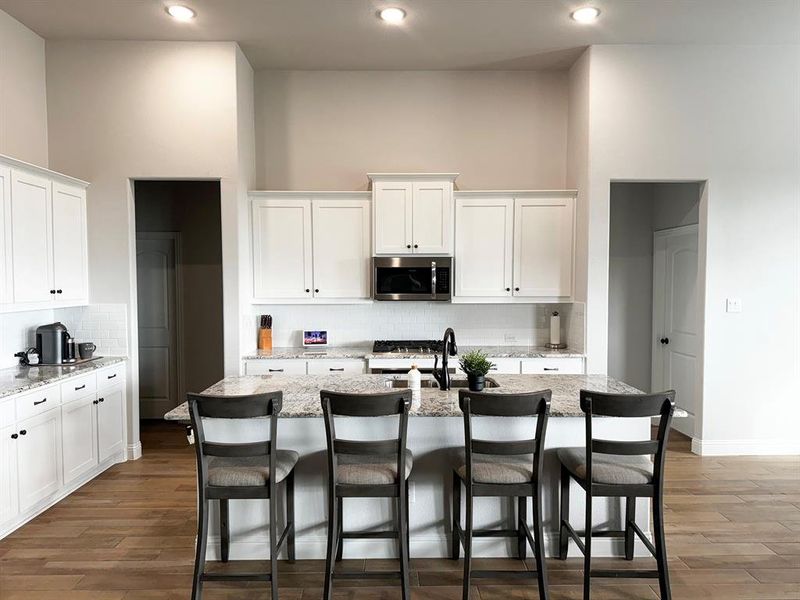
555, 338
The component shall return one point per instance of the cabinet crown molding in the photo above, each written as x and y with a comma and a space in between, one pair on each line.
413, 176
15, 163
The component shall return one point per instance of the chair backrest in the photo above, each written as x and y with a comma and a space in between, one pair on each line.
383, 404
661, 404
234, 407
529, 404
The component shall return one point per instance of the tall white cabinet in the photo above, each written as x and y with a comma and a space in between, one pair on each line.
43, 238
312, 247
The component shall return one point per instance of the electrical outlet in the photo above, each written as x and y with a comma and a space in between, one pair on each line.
733, 305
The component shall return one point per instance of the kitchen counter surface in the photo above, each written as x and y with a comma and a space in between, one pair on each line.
15, 380
364, 352
301, 392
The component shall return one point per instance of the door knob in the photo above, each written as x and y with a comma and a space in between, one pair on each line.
664, 340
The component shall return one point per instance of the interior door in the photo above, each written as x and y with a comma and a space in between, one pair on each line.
282, 248
341, 248
432, 217
543, 243
70, 277
157, 294
393, 215
110, 422
39, 458
675, 319
32, 251
484, 246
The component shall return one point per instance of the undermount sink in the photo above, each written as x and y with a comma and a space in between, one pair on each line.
431, 383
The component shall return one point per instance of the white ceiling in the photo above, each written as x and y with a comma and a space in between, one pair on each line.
438, 34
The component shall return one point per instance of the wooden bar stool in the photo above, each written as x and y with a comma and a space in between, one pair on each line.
366, 469
241, 471
621, 469
504, 469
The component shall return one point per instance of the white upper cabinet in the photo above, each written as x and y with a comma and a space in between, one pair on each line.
543, 247
413, 213
31, 238
5, 235
70, 256
341, 248
484, 246
282, 248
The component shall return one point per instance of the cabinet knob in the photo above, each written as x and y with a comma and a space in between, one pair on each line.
52, 291
516, 289
307, 290
416, 245
58, 291
23, 432
408, 245
14, 436
101, 399
664, 340
94, 401
316, 291
508, 289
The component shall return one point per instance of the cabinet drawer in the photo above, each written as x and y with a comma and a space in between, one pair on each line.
34, 403
111, 376
78, 387
553, 366
275, 367
333, 367
503, 366
6, 412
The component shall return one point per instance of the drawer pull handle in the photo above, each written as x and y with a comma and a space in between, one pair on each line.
101, 399
551, 368
339, 369
80, 387
493, 368
111, 376
40, 402
23, 432
276, 370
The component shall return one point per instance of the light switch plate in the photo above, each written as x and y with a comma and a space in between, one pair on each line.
733, 305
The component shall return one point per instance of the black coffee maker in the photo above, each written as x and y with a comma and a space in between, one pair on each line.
53, 344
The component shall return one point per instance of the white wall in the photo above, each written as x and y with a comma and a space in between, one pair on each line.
730, 115
23, 99
326, 129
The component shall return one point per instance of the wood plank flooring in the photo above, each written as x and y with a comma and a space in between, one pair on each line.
733, 529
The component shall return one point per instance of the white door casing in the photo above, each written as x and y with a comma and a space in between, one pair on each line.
70, 276
393, 208
39, 458
432, 221
31, 244
676, 334
341, 249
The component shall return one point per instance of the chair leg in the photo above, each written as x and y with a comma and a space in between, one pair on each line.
468, 545
630, 518
563, 517
224, 530
333, 529
402, 530
340, 530
522, 514
200, 549
587, 555
273, 542
455, 543
661, 545
290, 516
538, 550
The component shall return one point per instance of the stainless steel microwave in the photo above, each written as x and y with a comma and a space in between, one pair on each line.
412, 278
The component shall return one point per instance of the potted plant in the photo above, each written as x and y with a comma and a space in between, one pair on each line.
476, 365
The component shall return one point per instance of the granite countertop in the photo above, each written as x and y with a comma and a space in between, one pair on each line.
301, 392
364, 352
15, 380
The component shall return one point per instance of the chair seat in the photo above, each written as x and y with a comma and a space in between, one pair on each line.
495, 468
249, 471
360, 469
609, 469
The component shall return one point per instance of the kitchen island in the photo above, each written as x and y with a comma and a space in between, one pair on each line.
435, 429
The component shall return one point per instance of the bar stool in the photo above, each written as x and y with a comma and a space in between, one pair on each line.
621, 469
240, 471
366, 469
504, 469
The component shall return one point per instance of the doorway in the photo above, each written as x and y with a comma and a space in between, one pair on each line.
655, 325
179, 291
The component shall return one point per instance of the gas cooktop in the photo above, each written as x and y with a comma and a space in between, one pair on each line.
416, 346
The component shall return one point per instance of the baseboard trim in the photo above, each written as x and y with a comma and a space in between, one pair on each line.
745, 447
314, 547
134, 451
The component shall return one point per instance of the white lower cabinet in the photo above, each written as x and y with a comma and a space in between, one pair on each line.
336, 367
39, 458
78, 426
568, 365
9, 499
275, 367
110, 421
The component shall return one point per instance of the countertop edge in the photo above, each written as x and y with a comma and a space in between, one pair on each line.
83, 369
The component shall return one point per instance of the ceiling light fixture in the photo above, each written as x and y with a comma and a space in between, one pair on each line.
393, 16
587, 14
180, 12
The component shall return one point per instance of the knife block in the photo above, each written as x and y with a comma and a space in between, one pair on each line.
264, 338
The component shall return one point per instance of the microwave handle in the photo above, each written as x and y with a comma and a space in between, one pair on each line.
433, 279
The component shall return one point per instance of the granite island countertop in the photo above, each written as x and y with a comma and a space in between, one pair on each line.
365, 352
15, 380
301, 392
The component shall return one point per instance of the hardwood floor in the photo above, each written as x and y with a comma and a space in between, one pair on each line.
733, 529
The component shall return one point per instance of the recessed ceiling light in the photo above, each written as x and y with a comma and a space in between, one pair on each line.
587, 14
393, 16
180, 12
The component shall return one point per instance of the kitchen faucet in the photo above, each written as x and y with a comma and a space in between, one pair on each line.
449, 348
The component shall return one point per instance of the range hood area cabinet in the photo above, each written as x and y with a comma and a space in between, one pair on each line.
412, 213
514, 247
43, 238
310, 247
